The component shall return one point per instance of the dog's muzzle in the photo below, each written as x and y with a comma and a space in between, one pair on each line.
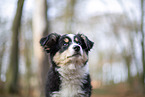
76, 51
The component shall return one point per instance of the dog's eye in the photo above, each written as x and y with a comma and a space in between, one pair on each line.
65, 44
78, 43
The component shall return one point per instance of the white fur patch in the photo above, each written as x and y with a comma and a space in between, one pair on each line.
71, 36
72, 80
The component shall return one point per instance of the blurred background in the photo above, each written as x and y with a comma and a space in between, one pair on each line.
117, 60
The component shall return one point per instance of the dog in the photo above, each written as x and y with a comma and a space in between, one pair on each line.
68, 75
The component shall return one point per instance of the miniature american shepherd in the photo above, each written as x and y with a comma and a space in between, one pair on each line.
68, 75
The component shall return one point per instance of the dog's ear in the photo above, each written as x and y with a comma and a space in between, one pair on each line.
88, 44
49, 42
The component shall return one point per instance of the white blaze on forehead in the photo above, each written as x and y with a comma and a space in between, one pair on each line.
71, 36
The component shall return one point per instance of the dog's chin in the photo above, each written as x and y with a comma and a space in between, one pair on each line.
74, 55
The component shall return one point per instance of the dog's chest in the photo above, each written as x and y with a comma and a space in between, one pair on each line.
72, 81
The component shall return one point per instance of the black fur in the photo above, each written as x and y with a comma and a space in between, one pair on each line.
87, 44
87, 86
61, 43
50, 42
53, 82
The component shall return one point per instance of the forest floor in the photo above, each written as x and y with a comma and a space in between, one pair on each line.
120, 90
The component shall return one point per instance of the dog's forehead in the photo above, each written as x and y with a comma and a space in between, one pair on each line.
71, 36
68, 37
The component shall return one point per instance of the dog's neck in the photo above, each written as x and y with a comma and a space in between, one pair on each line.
73, 77
72, 71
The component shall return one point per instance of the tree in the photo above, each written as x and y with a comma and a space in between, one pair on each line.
143, 40
12, 73
40, 29
69, 15
2, 50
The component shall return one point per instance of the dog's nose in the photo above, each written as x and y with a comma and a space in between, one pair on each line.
76, 48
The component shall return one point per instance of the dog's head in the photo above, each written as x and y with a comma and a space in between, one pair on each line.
67, 49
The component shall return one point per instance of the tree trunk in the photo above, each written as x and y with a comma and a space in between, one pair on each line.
1, 57
69, 16
143, 41
40, 29
28, 58
12, 73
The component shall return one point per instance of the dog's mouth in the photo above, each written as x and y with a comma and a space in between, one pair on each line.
74, 55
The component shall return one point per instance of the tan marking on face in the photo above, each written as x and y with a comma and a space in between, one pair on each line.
61, 59
66, 40
76, 39
85, 57
47, 48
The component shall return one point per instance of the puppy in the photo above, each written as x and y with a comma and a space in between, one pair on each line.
68, 75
